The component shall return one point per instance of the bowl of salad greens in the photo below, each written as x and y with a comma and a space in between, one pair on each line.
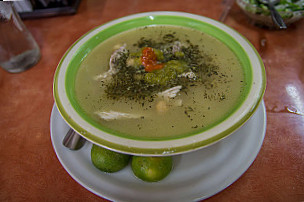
290, 10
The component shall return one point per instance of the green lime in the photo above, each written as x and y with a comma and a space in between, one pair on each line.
151, 169
107, 160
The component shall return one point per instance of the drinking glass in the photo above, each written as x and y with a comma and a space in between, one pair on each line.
18, 49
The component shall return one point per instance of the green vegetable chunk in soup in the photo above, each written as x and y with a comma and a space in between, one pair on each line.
159, 82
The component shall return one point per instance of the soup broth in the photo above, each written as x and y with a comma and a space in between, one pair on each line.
204, 92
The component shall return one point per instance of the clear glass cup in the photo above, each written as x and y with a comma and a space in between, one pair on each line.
18, 49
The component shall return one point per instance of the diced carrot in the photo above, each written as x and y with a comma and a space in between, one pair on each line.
149, 60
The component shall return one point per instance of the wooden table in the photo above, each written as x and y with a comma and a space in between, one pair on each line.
29, 168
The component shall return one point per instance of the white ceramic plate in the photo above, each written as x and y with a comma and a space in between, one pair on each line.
196, 175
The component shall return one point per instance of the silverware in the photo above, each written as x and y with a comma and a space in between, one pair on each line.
276, 17
73, 140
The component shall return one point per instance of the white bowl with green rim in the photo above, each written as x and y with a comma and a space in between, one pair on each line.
64, 81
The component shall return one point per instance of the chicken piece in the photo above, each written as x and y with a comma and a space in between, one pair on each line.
189, 75
176, 47
113, 115
167, 99
170, 93
112, 70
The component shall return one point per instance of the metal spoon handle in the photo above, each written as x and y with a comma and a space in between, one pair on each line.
72, 140
276, 17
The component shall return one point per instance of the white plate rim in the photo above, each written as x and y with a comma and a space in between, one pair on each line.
261, 114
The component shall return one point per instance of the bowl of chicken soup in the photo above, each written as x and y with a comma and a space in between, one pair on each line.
159, 83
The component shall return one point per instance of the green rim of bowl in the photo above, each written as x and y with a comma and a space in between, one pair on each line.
139, 22
150, 20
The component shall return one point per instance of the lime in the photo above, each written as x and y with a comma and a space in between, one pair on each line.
151, 169
107, 160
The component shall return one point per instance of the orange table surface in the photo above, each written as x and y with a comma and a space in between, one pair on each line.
29, 168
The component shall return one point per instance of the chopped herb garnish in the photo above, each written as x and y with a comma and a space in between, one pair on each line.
135, 83
174, 64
